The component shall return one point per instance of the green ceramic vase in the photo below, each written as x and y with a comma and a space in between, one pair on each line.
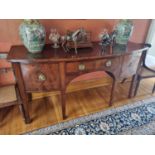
123, 31
33, 35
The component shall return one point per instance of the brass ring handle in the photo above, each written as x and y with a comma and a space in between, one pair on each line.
108, 63
41, 77
82, 67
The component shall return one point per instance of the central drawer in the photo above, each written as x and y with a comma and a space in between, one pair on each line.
80, 66
40, 77
109, 64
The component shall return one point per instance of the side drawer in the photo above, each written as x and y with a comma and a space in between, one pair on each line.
112, 65
40, 77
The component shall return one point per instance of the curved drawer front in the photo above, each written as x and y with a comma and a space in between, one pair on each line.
112, 65
130, 64
40, 77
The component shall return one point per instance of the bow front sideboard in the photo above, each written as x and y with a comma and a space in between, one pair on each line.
54, 69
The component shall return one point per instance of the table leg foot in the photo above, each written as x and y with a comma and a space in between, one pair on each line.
63, 104
133, 87
25, 114
153, 90
28, 121
112, 92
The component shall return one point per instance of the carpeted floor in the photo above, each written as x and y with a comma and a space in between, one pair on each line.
132, 119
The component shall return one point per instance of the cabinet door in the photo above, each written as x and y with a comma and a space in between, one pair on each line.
130, 64
40, 77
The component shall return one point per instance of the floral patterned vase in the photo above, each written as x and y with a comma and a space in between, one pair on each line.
123, 31
33, 35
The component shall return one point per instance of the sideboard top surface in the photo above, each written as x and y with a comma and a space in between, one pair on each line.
20, 54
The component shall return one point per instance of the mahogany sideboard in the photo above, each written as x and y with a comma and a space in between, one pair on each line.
54, 69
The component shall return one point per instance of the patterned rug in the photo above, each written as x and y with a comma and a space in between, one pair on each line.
132, 119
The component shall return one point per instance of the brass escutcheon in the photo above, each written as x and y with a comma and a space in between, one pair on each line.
81, 67
41, 77
108, 63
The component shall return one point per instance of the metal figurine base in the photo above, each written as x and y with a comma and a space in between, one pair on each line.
103, 47
55, 45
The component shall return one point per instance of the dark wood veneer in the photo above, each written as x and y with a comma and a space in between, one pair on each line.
53, 69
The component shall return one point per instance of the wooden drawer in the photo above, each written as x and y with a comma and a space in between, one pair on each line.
82, 66
40, 77
111, 64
